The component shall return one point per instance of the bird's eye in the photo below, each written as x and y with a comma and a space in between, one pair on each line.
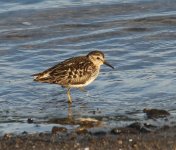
98, 57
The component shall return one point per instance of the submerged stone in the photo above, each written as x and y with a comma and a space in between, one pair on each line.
139, 127
30, 120
63, 121
56, 130
156, 113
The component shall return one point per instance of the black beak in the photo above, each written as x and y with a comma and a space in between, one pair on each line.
106, 63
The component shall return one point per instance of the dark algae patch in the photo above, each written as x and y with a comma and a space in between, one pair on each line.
56, 130
156, 113
134, 128
30, 120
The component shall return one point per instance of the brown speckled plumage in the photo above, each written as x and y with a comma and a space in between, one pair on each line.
74, 72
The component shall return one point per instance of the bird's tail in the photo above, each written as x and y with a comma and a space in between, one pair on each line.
41, 77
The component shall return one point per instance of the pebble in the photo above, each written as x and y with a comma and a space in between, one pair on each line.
56, 130
81, 131
88, 122
130, 140
7, 136
120, 142
30, 120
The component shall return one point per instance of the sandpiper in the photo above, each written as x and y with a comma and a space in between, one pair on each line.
76, 72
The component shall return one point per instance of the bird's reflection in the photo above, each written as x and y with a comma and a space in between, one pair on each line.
83, 122
69, 113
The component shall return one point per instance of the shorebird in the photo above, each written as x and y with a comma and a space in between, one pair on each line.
75, 72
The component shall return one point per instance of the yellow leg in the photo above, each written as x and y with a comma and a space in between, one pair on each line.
69, 96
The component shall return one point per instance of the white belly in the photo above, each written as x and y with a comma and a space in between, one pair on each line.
88, 81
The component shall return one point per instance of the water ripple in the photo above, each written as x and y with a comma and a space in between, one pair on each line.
137, 37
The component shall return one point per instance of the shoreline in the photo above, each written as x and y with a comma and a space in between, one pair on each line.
125, 138
89, 135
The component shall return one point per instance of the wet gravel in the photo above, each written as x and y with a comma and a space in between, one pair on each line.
163, 139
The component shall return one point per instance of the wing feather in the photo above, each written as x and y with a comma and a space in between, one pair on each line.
76, 70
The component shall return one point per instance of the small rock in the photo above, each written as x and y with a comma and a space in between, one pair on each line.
134, 145
88, 122
81, 131
135, 125
16, 145
149, 126
116, 131
130, 140
156, 113
94, 112
37, 125
18, 142
124, 130
138, 127
56, 130
76, 145
30, 120
41, 134
99, 133
120, 142
24, 133
7, 136
73, 136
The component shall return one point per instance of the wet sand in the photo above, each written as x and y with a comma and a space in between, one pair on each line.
161, 139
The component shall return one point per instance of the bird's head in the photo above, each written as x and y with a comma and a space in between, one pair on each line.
97, 57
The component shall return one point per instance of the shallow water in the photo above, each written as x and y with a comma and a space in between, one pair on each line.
137, 37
